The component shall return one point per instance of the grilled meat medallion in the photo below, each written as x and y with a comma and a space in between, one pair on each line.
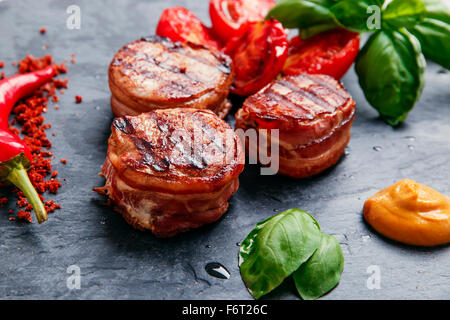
171, 170
156, 73
313, 113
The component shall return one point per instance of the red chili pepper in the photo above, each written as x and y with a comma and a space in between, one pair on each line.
15, 157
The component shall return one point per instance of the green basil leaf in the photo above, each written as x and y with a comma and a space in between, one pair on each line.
391, 70
310, 16
434, 37
403, 13
275, 248
437, 9
310, 31
434, 32
322, 272
354, 14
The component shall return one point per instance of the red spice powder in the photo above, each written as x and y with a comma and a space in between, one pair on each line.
78, 99
28, 114
24, 215
3, 201
2, 64
43, 30
63, 160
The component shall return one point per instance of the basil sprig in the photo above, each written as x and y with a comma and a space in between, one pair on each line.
290, 243
433, 32
309, 16
322, 272
404, 13
353, 13
390, 66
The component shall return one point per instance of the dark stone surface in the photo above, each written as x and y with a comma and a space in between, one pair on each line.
121, 263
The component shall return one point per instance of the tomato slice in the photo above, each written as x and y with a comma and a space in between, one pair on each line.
228, 16
259, 52
331, 53
180, 24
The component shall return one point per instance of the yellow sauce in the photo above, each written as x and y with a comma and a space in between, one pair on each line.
411, 213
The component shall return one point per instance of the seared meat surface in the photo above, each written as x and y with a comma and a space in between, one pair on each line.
156, 73
170, 170
313, 114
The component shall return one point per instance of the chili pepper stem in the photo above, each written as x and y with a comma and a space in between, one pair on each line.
19, 177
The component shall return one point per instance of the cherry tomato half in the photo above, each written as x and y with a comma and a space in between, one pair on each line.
331, 53
180, 24
227, 16
259, 52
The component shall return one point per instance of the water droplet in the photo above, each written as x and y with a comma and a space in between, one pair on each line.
411, 147
410, 138
347, 152
377, 148
103, 221
217, 270
97, 107
276, 210
208, 246
366, 238
238, 244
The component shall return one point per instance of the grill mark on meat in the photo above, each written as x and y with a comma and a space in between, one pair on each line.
163, 40
127, 68
173, 85
142, 56
196, 160
172, 69
316, 79
124, 124
283, 99
308, 94
149, 157
299, 99
209, 132
155, 71
181, 72
224, 66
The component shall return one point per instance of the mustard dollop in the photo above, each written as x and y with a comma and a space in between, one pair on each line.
411, 213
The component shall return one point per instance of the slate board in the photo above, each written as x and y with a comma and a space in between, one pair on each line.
117, 262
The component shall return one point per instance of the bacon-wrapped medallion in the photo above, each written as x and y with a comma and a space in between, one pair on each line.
156, 73
171, 170
313, 114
